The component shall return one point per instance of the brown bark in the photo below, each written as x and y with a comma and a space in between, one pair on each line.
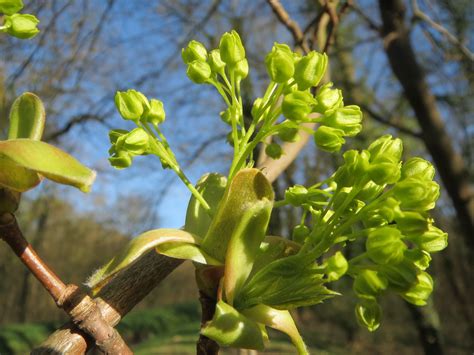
204, 345
410, 75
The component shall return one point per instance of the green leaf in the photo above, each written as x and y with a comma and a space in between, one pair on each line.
27, 117
46, 160
248, 187
211, 187
135, 249
228, 327
15, 177
186, 251
279, 320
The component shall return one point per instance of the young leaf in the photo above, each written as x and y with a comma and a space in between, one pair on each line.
27, 117
279, 320
16, 177
228, 327
135, 249
186, 251
46, 160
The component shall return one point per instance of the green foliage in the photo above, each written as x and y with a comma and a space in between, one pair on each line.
23, 26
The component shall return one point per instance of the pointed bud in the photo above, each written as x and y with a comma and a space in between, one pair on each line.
329, 139
348, 119
231, 48
155, 113
274, 151
199, 72
368, 284
328, 98
21, 26
433, 240
10, 7
368, 314
386, 149
419, 293
296, 106
194, 51
310, 69
280, 63
385, 245
131, 104
336, 266
121, 160
418, 167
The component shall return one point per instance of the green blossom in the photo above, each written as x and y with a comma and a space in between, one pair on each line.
310, 69
280, 63
21, 26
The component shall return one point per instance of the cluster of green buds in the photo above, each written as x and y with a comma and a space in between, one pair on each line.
22, 26
375, 197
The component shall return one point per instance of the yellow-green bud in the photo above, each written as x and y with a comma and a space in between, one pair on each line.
9, 7
194, 51
386, 149
329, 139
199, 72
136, 142
121, 160
241, 69
369, 284
370, 191
131, 104
280, 63
328, 98
297, 105
385, 245
310, 69
416, 194
336, 266
21, 26
419, 293
400, 276
296, 195
368, 314
115, 134
418, 167
288, 134
420, 258
274, 151
411, 223
433, 240
300, 232
348, 119
231, 48
155, 113
384, 172
215, 62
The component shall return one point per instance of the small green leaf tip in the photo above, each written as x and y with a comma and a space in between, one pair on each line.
10, 7
27, 117
21, 26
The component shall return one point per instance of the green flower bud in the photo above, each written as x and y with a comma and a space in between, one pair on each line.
420, 258
400, 276
336, 266
296, 195
230, 139
385, 173
121, 160
300, 233
348, 119
329, 139
419, 293
328, 98
215, 62
385, 245
9, 7
433, 240
231, 48
229, 115
383, 215
131, 104
256, 108
310, 69
368, 314
386, 149
415, 194
411, 223
280, 63
136, 142
354, 168
418, 167
274, 151
155, 113
115, 134
368, 284
194, 51
370, 191
241, 69
21, 26
288, 134
296, 106
199, 72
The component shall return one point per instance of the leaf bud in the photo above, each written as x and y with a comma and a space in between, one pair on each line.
336, 266
418, 167
280, 63
215, 62
419, 293
310, 69
297, 105
411, 223
348, 119
433, 240
328, 98
386, 149
194, 51
420, 258
274, 151
231, 48
9, 7
155, 113
121, 160
368, 314
385, 245
199, 72
368, 284
21, 26
300, 232
329, 139
296, 195
288, 134
131, 104
416, 195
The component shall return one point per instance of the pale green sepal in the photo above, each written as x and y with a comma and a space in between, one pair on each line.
134, 250
279, 320
27, 117
228, 327
15, 177
48, 161
211, 187
186, 251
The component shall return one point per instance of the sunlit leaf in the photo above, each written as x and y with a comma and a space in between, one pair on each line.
27, 117
186, 251
48, 161
15, 177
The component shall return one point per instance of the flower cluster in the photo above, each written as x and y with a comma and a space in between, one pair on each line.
22, 26
376, 197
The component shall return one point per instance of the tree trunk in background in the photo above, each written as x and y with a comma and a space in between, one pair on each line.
427, 322
409, 73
